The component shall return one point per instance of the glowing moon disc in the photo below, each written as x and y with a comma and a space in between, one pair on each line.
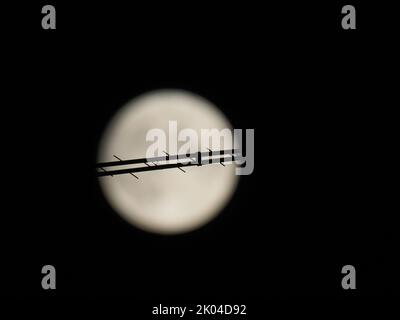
165, 201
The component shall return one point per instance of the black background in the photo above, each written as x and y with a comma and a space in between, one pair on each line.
318, 97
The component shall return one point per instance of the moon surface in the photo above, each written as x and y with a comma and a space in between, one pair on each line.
165, 201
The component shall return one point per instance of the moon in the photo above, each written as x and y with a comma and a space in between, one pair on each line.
165, 201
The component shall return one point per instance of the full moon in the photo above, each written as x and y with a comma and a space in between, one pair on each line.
165, 201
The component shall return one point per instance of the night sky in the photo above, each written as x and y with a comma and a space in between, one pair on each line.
319, 98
